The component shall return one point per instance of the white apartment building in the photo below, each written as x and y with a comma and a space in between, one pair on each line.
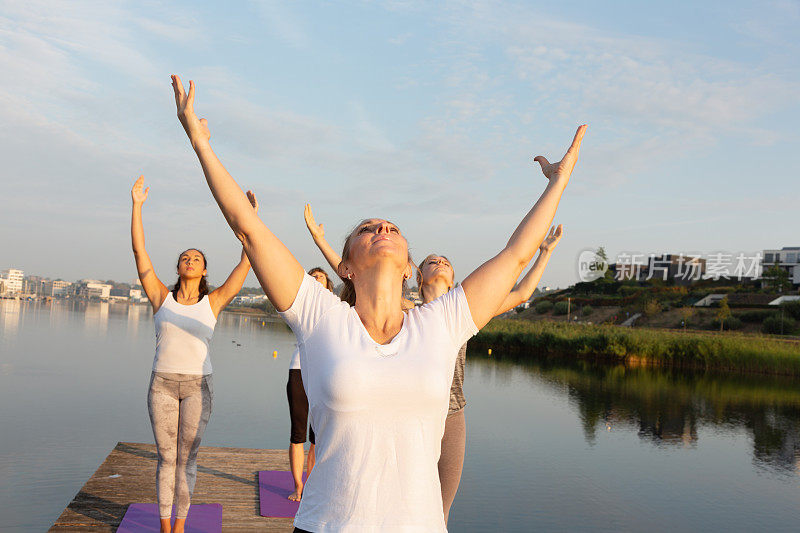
787, 258
56, 287
91, 288
12, 280
249, 300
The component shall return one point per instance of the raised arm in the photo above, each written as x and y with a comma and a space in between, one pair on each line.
318, 234
527, 285
277, 270
487, 287
153, 288
222, 295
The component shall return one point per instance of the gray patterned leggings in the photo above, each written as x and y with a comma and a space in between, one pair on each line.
179, 406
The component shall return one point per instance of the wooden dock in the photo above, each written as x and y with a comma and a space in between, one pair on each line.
128, 475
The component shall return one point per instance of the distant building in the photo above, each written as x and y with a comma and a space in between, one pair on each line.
784, 299
12, 280
56, 287
91, 288
135, 295
33, 285
252, 299
683, 269
787, 258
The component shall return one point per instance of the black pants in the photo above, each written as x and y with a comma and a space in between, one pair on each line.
298, 408
298, 530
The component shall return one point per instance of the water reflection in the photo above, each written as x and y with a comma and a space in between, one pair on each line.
670, 408
10, 317
96, 317
136, 313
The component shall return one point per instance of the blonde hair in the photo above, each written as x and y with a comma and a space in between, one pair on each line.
421, 281
348, 293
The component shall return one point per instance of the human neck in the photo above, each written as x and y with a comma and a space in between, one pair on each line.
379, 296
433, 289
189, 289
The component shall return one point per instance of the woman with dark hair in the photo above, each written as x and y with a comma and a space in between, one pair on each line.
377, 378
298, 410
435, 277
181, 392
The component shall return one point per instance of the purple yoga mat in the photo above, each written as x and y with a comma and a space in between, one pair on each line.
274, 488
144, 517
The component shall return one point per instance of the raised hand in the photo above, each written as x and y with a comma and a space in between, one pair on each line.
252, 197
562, 170
549, 242
316, 230
138, 192
196, 129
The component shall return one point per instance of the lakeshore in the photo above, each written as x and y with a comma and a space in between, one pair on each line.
634, 347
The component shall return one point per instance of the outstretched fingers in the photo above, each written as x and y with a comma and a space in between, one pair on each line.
253, 201
177, 87
575, 147
309, 216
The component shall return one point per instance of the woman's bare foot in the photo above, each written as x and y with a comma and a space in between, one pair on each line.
179, 524
297, 494
166, 526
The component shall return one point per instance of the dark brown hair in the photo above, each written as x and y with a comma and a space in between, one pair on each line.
348, 293
328, 282
203, 288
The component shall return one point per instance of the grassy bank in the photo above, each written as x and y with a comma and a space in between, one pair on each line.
735, 353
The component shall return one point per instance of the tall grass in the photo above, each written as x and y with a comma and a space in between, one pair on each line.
643, 346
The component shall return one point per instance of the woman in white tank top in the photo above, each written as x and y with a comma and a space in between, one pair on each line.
180, 396
377, 378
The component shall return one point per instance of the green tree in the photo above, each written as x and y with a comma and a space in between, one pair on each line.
601, 257
723, 313
776, 278
686, 312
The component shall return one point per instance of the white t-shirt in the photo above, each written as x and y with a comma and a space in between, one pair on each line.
183, 333
379, 412
294, 364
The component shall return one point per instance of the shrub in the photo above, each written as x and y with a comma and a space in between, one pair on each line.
754, 316
651, 308
560, 308
586, 310
731, 323
544, 307
777, 325
792, 309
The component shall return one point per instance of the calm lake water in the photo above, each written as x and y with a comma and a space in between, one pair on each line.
551, 446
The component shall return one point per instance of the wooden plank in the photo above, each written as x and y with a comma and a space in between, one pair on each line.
224, 475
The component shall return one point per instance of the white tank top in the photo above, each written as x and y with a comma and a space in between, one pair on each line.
182, 336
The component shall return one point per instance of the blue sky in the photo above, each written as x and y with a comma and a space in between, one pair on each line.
428, 114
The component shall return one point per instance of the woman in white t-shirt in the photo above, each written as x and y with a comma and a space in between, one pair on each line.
181, 394
298, 410
377, 378
436, 276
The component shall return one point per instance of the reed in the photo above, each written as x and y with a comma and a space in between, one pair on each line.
727, 352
